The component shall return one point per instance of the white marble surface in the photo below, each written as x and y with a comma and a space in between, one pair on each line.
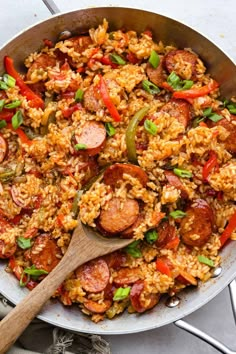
216, 20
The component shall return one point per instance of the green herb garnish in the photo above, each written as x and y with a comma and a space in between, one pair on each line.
17, 120
150, 87
24, 243
13, 104
150, 127
9, 80
151, 236
110, 129
211, 115
80, 147
133, 250
79, 95
121, 293
205, 260
154, 59
2, 102
3, 85
182, 173
177, 84
177, 214
116, 59
3, 123
34, 271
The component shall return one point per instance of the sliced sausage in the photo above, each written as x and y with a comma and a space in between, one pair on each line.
43, 61
115, 259
144, 302
45, 254
114, 174
178, 109
129, 233
126, 276
3, 148
230, 142
158, 75
80, 43
94, 275
166, 233
119, 214
92, 99
176, 182
7, 249
96, 307
197, 226
183, 63
93, 135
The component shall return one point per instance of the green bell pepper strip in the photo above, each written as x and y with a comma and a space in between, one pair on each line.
131, 132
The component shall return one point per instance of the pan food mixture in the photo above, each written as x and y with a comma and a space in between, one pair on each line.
139, 126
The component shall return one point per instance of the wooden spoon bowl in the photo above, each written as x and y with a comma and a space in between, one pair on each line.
85, 245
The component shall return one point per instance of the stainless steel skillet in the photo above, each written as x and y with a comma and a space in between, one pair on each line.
219, 66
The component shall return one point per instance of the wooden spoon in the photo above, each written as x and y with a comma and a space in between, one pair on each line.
85, 245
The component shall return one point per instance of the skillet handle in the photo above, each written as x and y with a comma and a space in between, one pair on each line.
52, 7
206, 337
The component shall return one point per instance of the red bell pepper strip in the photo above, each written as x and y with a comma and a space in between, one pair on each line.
67, 112
209, 165
163, 267
203, 124
196, 92
107, 101
131, 57
173, 244
6, 115
23, 137
228, 230
167, 86
148, 33
35, 100
107, 61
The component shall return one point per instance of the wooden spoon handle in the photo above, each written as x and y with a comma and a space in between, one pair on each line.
19, 318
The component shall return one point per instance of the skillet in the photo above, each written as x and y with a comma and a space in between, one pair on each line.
223, 70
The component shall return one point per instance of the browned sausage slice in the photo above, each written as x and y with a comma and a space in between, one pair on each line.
178, 109
93, 135
45, 254
115, 259
94, 275
80, 43
3, 148
166, 233
196, 227
129, 233
183, 63
230, 126
158, 75
96, 307
114, 174
92, 99
145, 302
176, 182
127, 276
119, 214
43, 61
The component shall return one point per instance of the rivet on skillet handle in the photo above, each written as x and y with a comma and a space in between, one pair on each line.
204, 336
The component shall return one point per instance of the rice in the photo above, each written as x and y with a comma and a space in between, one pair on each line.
49, 159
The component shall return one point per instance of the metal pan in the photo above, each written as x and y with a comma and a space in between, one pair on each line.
223, 70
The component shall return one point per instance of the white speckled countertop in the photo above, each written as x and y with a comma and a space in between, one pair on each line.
216, 20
